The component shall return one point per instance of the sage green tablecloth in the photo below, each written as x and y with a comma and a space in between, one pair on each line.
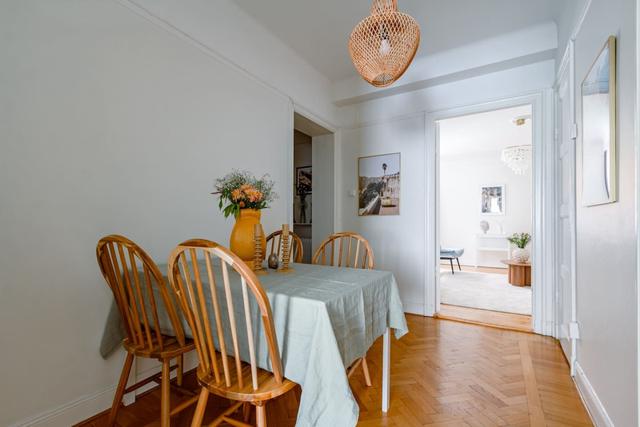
325, 318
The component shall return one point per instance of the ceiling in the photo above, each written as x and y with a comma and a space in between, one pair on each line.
484, 132
319, 30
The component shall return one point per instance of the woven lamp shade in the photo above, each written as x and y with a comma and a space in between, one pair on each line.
383, 44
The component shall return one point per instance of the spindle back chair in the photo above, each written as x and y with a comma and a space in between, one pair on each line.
217, 308
274, 246
352, 251
140, 292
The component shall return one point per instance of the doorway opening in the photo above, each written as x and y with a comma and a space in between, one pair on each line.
486, 217
313, 183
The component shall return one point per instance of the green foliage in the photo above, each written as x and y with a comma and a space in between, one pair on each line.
241, 190
521, 240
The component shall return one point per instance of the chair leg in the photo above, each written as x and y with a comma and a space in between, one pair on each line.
165, 405
200, 408
451, 262
180, 370
365, 370
261, 415
122, 385
458, 261
246, 412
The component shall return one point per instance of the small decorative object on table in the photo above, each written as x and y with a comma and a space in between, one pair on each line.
484, 226
245, 196
258, 236
273, 261
286, 250
520, 240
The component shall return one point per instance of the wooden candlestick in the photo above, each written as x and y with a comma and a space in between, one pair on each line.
257, 244
286, 250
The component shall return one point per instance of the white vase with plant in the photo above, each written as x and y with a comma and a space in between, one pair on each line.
520, 240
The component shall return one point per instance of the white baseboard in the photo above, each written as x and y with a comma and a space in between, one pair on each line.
594, 406
413, 308
89, 405
72, 412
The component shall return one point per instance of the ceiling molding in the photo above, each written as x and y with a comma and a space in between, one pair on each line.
533, 58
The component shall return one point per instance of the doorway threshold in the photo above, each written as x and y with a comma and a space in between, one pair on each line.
494, 319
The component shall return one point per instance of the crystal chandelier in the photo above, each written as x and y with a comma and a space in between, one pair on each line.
517, 158
383, 44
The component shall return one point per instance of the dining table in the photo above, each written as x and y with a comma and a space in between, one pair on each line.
325, 319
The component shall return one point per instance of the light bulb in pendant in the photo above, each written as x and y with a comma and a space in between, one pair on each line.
385, 47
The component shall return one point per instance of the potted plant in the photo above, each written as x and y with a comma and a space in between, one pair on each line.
243, 195
520, 240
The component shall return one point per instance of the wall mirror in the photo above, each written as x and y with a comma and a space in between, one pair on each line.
599, 129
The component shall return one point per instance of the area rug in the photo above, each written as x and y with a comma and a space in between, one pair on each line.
487, 291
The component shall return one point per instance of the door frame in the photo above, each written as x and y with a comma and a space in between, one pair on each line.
544, 178
637, 184
566, 75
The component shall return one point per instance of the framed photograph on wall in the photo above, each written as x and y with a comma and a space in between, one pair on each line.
304, 180
379, 185
302, 203
599, 184
492, 199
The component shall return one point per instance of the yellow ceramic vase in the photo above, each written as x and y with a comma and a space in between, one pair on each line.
241, 241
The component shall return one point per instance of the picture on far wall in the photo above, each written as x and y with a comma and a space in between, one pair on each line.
492, 199
304, 188
599, 129
379, 185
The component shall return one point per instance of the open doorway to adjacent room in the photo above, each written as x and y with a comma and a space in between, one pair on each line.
485, 211
313, 184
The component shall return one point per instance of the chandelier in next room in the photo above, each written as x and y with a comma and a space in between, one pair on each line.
517, 158
384, 43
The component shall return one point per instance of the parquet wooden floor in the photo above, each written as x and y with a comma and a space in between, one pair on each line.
443, 373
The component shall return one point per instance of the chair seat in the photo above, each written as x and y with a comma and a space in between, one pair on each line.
170, 348
451, 252
268, 387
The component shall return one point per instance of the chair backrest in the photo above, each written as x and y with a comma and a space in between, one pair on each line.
133, 276
186, 277
353, 251
274, 245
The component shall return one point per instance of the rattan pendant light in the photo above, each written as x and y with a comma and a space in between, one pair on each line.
383, 44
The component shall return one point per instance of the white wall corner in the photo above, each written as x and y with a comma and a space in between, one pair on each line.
594, 406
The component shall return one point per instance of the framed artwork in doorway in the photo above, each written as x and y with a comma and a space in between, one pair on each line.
492, 199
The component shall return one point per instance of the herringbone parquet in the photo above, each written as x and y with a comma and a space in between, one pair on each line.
443, 374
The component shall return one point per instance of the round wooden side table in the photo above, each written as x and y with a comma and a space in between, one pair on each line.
519, 272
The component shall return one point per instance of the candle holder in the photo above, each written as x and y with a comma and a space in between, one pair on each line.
286, 250
257, 250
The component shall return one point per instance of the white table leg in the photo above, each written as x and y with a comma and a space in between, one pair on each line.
386, 361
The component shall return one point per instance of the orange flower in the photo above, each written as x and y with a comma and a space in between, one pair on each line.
241, 204
236, 195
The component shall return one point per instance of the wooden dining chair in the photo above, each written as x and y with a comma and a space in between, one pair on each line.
133, 277
274, 244
222, 371
352, 251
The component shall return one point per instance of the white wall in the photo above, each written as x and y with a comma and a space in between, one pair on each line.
606, 235
492, 86
222, 26
397, 241
108, 123
460, 180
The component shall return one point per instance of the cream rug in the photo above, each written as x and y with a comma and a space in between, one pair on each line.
487, 291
